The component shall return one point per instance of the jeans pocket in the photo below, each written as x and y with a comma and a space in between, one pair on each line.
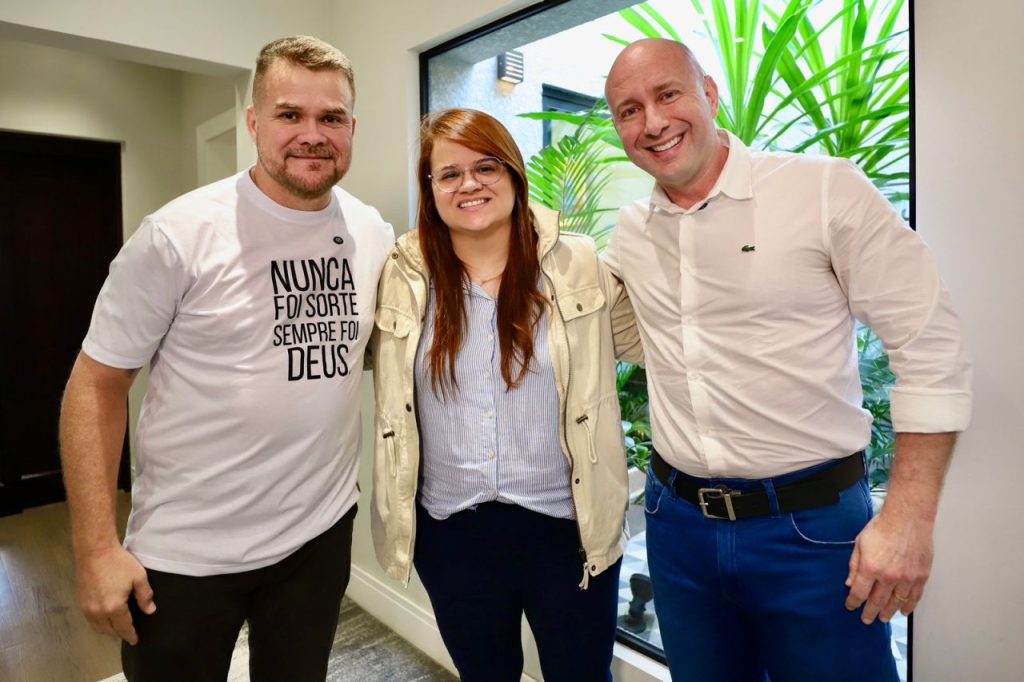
835, 524
653, 490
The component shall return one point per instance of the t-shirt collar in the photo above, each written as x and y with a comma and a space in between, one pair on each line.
247, 188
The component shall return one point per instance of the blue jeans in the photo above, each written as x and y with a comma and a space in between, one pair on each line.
484, 568
763, 597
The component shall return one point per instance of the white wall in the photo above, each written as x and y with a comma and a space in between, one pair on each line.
969, 149
203, 98
189, 35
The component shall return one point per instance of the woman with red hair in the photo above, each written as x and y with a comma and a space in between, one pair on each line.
499, 463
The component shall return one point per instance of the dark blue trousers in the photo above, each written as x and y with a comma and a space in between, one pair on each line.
484, 568
763, 597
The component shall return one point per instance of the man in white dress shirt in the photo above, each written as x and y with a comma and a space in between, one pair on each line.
747, 270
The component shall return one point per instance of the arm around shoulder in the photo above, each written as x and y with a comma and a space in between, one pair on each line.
625, 332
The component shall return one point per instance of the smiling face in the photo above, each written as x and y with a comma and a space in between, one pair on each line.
302, 123
473, 209
664, 109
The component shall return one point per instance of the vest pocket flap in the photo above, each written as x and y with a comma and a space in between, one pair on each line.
581, 302
393, 322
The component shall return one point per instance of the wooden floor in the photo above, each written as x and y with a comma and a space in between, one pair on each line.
43, 635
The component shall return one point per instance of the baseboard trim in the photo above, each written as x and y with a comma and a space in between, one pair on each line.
411, 621
629, 665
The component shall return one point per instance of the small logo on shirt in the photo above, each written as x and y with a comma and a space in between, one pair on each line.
339, 240
747, 248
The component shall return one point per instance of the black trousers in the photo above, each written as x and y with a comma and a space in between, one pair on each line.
484, 568
292, 609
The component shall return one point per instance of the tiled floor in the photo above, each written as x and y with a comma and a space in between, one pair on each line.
635, 561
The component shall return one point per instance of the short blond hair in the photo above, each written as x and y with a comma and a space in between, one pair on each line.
307, 51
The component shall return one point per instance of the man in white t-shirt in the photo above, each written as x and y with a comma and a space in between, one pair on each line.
252, 301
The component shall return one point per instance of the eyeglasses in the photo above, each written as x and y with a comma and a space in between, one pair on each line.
485, 171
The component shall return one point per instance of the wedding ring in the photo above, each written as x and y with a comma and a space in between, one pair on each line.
899, 597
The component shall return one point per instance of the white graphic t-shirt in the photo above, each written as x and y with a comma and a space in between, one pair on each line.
254, 318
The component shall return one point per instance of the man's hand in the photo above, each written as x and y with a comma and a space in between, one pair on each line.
106, 580
892, 559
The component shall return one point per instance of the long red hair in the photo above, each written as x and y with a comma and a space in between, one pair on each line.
520, 302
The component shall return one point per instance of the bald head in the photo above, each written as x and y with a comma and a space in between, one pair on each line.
674, 56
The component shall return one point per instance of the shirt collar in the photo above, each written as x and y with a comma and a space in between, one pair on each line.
734, 180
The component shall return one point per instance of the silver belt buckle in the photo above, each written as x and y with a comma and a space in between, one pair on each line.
719, 493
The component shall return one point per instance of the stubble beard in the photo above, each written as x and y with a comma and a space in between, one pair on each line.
300, 187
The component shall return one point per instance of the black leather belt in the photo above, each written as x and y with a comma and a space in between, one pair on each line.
719, 502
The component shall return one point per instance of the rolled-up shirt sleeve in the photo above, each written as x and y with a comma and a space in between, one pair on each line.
893, 285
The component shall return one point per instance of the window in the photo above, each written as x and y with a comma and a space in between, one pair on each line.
554, 98
857, 107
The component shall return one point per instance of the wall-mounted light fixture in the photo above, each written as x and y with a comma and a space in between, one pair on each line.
510, 67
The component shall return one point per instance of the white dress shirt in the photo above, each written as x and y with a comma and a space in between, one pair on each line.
746, 305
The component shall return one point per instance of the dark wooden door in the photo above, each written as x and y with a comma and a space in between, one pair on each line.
60, 226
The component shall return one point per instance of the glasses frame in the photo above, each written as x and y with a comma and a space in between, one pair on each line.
472, 171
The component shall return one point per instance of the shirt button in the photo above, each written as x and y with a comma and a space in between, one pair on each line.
489, 413
494, 493
490, 337
490, 454
487, 374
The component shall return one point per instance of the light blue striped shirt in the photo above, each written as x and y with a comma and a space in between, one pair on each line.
484, 443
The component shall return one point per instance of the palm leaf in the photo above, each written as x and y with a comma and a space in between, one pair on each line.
569, 177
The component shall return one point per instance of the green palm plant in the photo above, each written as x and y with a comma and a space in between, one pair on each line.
875, 379
631, 385
857, 99
570, 176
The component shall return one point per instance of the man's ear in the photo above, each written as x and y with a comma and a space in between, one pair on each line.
250, 122
353, 124
711, 92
